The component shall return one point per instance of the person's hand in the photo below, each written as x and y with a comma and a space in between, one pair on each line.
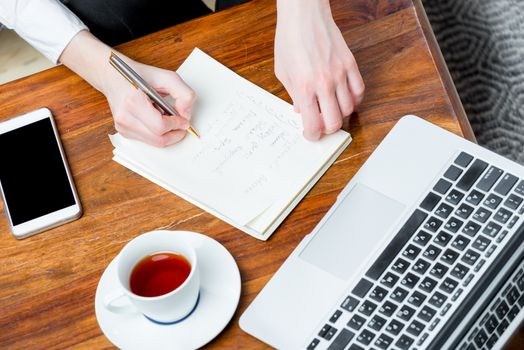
136, 117
315, 65
134, 114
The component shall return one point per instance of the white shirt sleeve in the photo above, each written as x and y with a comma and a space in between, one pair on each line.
47, 25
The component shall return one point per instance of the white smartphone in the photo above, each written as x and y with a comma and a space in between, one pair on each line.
35, 181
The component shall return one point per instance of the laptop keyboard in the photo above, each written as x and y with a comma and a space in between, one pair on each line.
497, 316
421, 275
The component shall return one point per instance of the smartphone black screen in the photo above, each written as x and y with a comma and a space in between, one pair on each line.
32, 173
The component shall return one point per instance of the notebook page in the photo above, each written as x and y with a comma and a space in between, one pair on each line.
251, 160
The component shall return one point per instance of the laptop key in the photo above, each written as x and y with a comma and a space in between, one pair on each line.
502, 215
502, 309
454, 197
389, 280
453, 224
426, 314
513, 313
444, 210
405, 313
449, 256
506, 184
362, 287
471, 228
430, 202
464, 211
492, 323
365, 337
356, 322
470, 257
313, 344
324, 331
463, 159
472, 174
513, 295
376, 323
336, 315
460, 242
520, 187
492, 229
422, 238
513, 201
394, 327
383, 342
459, 271
342, 340
437, 299
481, 243
492, 201
502, 327
411, 252
415, 328
432, 252
400, 266
448, 285
453, 173
410, 280
428, 284
491, 341
399, 294
433, 224
474, 197
350, 303
421, 266
481, 338
442, 238
330, 333
404, 342
416, 298
399, 241
490, 177
378, 294
482, 215
438, 270
367, 307
442, 186
388, 308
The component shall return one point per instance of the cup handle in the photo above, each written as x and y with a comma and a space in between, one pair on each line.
122, 308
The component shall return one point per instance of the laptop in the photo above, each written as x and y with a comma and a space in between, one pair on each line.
423, 249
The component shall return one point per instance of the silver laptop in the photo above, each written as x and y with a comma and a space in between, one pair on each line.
423, 249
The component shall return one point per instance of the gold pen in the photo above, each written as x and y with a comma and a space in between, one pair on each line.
137, 81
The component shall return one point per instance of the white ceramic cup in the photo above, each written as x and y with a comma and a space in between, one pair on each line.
167, 308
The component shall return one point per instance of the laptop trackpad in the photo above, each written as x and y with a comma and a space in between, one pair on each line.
352, 232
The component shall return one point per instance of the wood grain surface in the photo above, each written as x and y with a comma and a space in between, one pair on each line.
48, 281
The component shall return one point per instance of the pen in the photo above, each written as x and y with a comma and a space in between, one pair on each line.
137, 81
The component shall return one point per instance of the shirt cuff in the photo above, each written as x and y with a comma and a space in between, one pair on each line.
47, 25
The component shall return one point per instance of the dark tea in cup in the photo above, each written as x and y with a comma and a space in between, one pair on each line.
158, 274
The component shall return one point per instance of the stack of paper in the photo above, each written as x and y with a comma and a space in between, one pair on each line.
251, 165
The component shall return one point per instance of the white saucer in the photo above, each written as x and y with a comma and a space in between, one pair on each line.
219, 295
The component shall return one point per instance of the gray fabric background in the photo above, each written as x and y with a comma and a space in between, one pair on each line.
483, 44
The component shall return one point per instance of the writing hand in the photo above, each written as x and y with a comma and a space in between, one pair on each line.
134, 114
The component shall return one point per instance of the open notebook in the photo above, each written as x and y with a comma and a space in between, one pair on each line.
251, 165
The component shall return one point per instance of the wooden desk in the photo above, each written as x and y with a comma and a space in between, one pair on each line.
48, 282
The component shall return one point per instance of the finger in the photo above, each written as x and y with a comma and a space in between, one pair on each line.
311, 119
169, 82
356, 85
140, 106
135, 129
330, 113
344, 98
